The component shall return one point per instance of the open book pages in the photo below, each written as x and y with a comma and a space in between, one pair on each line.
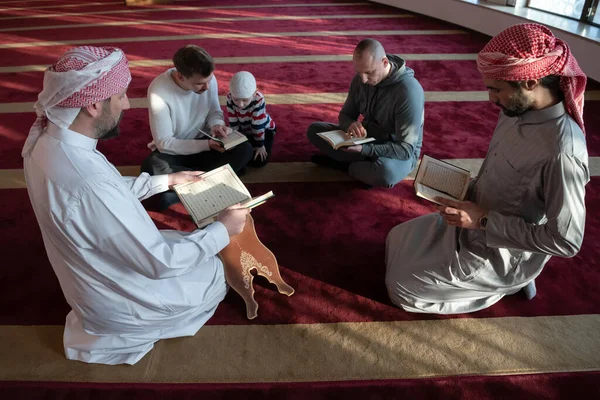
217, 190
436, 178
339, 138
230, 141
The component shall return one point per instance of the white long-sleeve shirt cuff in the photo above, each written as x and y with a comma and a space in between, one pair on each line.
216, 121
160, 183
201, 145
145, 186
218, 231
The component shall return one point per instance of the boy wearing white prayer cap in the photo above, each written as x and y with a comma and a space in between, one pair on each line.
247, 112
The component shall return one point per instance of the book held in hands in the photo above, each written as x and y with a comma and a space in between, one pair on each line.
436, 178
339, 138
214, 192
230, 141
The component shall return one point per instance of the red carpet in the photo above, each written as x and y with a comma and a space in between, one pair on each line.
274, 78
328, 237
338, 273
278, 46
115, 12
199, 28
520, 387
445, 127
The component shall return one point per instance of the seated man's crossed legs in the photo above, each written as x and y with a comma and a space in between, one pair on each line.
158, 163
379, 171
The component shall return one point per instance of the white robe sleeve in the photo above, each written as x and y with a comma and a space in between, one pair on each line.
565, 178
145, 186
109, 223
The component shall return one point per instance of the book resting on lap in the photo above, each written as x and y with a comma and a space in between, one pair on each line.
233, 139
339, 138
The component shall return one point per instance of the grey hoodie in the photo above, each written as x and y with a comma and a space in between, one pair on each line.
393, 112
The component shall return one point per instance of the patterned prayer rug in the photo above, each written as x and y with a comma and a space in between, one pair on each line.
338, 335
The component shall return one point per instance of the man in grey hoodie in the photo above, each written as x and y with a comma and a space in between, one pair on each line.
391, 100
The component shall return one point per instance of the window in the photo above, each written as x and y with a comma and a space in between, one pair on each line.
568, 8
582, 10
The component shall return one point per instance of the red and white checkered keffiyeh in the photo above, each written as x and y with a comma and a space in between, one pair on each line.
80, 77
531, 51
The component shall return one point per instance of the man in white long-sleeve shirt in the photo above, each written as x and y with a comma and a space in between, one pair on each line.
128, 283
182, 101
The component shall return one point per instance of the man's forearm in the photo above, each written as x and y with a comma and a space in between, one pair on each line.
513, 232
182, 146
398, 151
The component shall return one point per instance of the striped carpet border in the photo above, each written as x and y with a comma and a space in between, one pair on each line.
187, 8
143, 63
212, 19
308, 98
21, 1
281, 172
325, 352
365, 33
35, 8
310, 352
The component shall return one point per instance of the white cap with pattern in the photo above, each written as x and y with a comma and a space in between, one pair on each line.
242, 85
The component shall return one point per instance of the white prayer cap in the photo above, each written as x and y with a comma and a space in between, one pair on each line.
242, 85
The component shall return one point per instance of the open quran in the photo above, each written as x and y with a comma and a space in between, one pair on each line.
436, 178
214, 192
340, 138
232, 139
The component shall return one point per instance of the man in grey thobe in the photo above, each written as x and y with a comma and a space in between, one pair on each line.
527, 202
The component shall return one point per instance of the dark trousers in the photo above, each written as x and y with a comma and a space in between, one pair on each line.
375, 171
158, 163
268, 143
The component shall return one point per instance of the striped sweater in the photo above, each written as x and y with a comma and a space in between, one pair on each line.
252, 120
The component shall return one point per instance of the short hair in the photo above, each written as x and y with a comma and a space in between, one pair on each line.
192, 59
550, 82
374, 47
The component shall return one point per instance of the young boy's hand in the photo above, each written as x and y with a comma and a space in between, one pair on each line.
219, 130
260, 152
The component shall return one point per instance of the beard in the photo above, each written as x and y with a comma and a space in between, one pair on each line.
517, 105
107, 128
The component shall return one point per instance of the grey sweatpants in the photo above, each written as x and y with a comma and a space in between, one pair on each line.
379, 171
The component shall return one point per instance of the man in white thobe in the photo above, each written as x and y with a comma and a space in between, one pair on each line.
527, 202
128, 283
